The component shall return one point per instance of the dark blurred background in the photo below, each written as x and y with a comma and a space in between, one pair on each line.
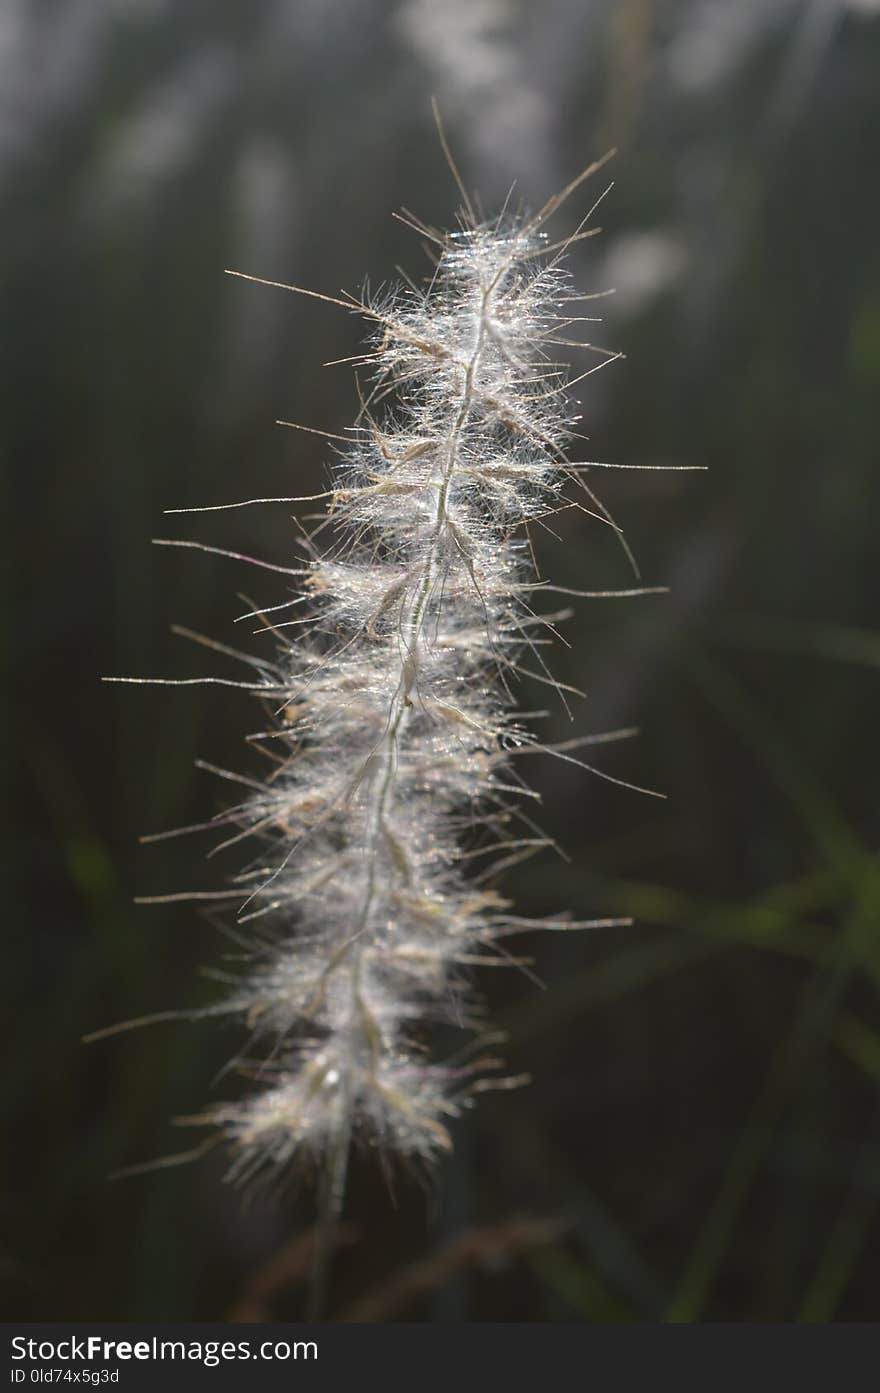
701, 1140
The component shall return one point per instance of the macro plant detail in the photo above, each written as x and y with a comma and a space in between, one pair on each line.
698, 1105
394, 799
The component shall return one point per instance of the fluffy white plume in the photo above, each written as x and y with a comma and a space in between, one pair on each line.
394, 718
